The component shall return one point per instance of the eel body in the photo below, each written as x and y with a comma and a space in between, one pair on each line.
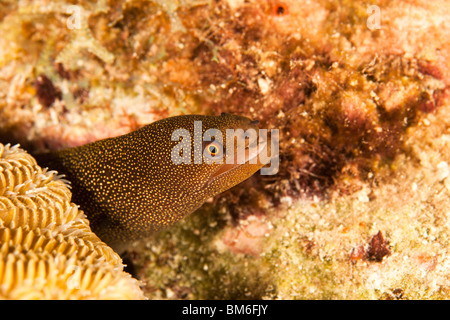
129, 186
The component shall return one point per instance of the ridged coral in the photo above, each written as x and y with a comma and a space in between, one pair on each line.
47, 250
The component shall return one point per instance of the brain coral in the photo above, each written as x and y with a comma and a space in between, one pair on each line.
47, 249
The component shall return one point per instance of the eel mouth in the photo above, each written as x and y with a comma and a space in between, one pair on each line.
253, 150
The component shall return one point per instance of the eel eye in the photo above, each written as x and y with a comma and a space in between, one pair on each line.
213, 149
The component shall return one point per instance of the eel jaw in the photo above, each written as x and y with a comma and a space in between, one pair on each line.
251, 153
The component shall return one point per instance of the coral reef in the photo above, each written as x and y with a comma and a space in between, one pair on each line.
47, 250
358, 208
388, 240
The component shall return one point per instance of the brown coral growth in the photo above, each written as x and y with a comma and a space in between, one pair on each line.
46, 92
332, 110
378, 248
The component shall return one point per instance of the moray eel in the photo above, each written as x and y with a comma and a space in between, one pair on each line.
129, 187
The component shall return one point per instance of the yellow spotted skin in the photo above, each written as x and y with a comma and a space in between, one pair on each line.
129, 187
